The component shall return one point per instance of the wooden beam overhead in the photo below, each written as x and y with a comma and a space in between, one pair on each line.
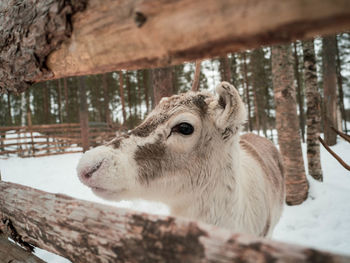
89, 232
109, 35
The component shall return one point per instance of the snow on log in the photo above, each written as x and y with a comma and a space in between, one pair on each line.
111, 35
89, 232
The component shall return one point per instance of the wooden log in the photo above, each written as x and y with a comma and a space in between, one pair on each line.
89, 232
110, 35
30, 31
10, 252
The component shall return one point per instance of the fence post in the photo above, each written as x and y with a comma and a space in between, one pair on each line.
83, 115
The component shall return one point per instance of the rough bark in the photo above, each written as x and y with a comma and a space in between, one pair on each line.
287, 125
340, 87
30, 31
12, 253
299, 92
329, 89
197, 73
225, 69
162, 82
313, 112
83, 231
83, 114
184, 30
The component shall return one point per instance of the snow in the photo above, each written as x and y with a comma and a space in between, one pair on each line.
322, 221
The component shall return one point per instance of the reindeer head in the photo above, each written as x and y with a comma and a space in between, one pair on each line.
180, 146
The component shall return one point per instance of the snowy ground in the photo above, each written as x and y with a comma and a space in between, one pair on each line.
323, 221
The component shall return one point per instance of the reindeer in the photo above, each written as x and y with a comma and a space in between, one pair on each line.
189, 154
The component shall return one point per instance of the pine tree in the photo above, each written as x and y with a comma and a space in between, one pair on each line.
246, 88
340, 84
225, 69
299, 91
260, 83
313, 112
121, 92
162, 80
287, 125
329, 89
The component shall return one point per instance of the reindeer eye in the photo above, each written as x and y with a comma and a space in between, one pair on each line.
183, 128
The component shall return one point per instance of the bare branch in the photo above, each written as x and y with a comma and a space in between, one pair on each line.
341, 134
346, 166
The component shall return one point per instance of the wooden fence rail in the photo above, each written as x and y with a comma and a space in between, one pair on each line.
55, 39
89, 232
44, 140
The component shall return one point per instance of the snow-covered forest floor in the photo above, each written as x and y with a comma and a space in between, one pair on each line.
322, 221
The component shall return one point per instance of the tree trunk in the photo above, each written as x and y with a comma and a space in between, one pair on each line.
260, 84
197, 73
340, 87
83, 231
128, 89
9, 110
145, 79
299, 93
287, 125
138, 94
162, 80
313, 112
66, 102
225, 69
83, 114
246, 85
106, 99
59, 99
256, 110
121, 92
47, 103
329, 89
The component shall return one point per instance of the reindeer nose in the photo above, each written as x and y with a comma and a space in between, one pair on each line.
88, 173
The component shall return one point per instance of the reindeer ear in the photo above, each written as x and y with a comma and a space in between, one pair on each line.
230, 111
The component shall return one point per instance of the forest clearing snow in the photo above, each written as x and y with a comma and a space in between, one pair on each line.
322, 221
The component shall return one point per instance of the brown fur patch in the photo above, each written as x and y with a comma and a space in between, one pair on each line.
149, 125
199, 101
149, 158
